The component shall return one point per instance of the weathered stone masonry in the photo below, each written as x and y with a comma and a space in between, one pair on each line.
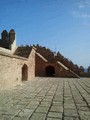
50, 68
23, 63
12, 69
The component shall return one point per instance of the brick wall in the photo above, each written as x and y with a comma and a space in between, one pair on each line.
40, 68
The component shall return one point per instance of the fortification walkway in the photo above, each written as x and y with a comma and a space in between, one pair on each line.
47, 99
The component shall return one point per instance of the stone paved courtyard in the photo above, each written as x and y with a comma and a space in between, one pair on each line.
47, 99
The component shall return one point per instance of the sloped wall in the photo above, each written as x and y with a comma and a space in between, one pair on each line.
41, 65
40, 68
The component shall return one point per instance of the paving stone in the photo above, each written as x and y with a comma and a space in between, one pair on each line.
47, 100
6, 117
13, 111
53, 118
21, 118
56, 103
45, 103
71, 118
2, 112
18, 107
56, 109
38, 99
42, 109
69, 105
34, 102
25, 112
23, 102
50, 94
84, 108
68, 112
48, 97
85, 117
55, 115
86, 113
81, 104
38, 116
30, 106
4, 109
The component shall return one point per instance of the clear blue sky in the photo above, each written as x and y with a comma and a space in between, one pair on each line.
61, 25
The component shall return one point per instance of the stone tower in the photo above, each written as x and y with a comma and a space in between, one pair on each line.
5, 36
12, 40
4, 39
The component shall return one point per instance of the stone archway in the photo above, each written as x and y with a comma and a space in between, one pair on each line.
24, 72
50, 71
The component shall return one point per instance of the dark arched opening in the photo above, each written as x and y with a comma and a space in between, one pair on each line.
24, 73
50, 71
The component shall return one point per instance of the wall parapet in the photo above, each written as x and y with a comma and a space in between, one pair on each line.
12, 56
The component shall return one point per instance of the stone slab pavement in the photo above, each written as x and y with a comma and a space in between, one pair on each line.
47, 99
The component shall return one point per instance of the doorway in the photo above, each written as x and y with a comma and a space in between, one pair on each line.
24, 72
50, 71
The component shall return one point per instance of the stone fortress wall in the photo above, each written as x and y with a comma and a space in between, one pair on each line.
23, 63
15, 69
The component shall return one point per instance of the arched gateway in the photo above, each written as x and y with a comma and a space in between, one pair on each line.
24, 72
50, 71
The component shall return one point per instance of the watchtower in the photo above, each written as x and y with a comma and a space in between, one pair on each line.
4, 39
12, 40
